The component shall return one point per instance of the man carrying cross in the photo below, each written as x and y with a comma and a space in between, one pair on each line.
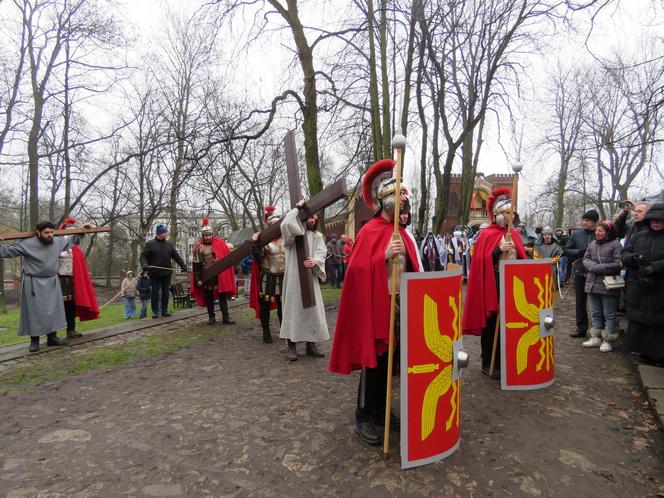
42, 310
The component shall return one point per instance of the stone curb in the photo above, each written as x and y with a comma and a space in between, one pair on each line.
652, 379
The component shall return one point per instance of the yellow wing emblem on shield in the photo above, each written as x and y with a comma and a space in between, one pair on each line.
439, 386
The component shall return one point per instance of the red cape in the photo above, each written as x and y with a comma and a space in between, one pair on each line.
254, 300
481, 297
363, 320
225, 279
84, 293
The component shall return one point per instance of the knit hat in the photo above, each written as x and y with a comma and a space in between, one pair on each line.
161, 229
591, 215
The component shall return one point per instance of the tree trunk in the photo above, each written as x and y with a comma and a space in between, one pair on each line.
387, 132
3, 299
373, 86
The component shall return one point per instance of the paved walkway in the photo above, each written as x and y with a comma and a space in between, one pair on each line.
229, 416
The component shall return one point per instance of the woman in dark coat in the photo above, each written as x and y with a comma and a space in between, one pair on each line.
602, 258
644, 256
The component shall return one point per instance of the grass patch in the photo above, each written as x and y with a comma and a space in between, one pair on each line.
110, 315
57, 366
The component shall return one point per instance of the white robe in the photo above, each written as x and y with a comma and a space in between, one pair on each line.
301, 324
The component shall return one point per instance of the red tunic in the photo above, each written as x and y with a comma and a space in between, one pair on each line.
85, 299
481, 297
225, 279
363, 320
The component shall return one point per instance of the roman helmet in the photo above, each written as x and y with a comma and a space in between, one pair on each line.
205, 226
499, 203
270, 215
378, 186
68, 222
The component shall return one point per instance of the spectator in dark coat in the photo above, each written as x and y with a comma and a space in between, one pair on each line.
625, 228
644, 256
562, 238
156, 260
575, 249
602, 259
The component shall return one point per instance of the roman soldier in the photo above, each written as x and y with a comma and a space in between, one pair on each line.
267, 276
481, 304
221, 286
362, 331
77, 289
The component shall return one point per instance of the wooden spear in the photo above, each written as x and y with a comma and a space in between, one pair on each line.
399, 143
516, 168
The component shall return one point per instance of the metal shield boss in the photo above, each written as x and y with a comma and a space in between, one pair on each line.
431, 362
526, 324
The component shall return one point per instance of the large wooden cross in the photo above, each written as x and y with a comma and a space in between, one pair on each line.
321, 200
301, 246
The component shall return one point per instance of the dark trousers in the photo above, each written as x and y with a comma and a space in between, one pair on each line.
581, 299
336, 278
372, 391
265, 312
209, 301
70, 315
486, 342
157, 284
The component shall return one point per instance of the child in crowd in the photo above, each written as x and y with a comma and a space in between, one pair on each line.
144, 292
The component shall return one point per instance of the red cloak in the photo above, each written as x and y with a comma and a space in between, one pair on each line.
225, 279
481, 297
85, 299
363, 320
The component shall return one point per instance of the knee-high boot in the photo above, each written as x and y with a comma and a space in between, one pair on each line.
265, 321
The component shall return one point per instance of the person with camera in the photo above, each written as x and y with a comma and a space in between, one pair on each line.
644, 257
602, 259
625, 228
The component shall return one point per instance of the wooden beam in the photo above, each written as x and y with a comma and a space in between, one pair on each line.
70, 231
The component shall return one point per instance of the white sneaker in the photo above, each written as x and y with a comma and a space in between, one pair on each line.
593, 342
605, 347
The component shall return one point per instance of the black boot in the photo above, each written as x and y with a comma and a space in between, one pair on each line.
34, 344
211, 320
368, 432
267, 337
53, 340
223, 304
292, 351
312, 350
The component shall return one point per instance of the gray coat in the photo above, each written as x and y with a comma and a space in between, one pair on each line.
42, 307
575, 249
601, 260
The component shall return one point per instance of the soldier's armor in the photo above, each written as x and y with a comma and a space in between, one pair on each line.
272, 264
275, 257
66, 274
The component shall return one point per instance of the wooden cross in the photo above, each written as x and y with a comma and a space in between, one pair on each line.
70, 231
301, 246
321, 200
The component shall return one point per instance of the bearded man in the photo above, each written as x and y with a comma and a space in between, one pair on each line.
303, 324
42, 310
362, 332
222, 286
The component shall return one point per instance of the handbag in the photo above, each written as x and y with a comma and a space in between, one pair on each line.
611, 282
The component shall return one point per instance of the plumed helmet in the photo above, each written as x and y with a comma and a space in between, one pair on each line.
67, 222
270, 215
378, 184
205, 226
499, 202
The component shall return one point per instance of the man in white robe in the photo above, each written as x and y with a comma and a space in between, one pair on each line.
303, 325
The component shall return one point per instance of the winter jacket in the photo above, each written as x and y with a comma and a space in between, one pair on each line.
644, 293
143, 287
602, 258
128, 287
576, 247
626, 229
158, 252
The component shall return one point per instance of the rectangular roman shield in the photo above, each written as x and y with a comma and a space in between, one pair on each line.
526, 312
430, 378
